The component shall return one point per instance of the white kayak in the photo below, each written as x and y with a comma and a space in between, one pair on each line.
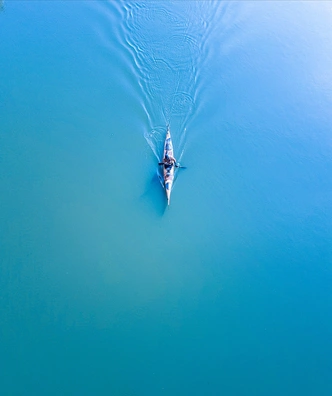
168, 169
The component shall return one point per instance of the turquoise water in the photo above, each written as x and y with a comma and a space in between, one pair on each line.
106, 291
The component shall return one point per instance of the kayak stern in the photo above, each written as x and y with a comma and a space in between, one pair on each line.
168, 189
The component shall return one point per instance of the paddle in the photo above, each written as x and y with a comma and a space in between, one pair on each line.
177, 165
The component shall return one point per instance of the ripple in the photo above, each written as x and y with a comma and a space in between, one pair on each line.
182, 104
180, 51
155, 138
146, 22
167, 43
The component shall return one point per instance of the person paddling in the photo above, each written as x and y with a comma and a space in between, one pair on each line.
168, 162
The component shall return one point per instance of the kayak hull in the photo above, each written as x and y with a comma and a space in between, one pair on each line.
168, 172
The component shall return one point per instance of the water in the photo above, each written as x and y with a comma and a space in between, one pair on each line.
105, 290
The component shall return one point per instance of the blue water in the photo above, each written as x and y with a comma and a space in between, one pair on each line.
103, 289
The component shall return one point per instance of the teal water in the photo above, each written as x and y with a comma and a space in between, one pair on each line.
103, 289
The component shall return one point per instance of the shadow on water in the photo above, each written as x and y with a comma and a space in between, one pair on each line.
154, 195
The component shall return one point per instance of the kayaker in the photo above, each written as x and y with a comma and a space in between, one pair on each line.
168, 161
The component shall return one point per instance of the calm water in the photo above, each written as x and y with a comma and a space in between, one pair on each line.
103, 289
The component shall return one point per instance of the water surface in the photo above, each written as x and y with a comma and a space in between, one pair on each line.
105, 290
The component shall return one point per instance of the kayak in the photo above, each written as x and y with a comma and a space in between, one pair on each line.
168, 170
